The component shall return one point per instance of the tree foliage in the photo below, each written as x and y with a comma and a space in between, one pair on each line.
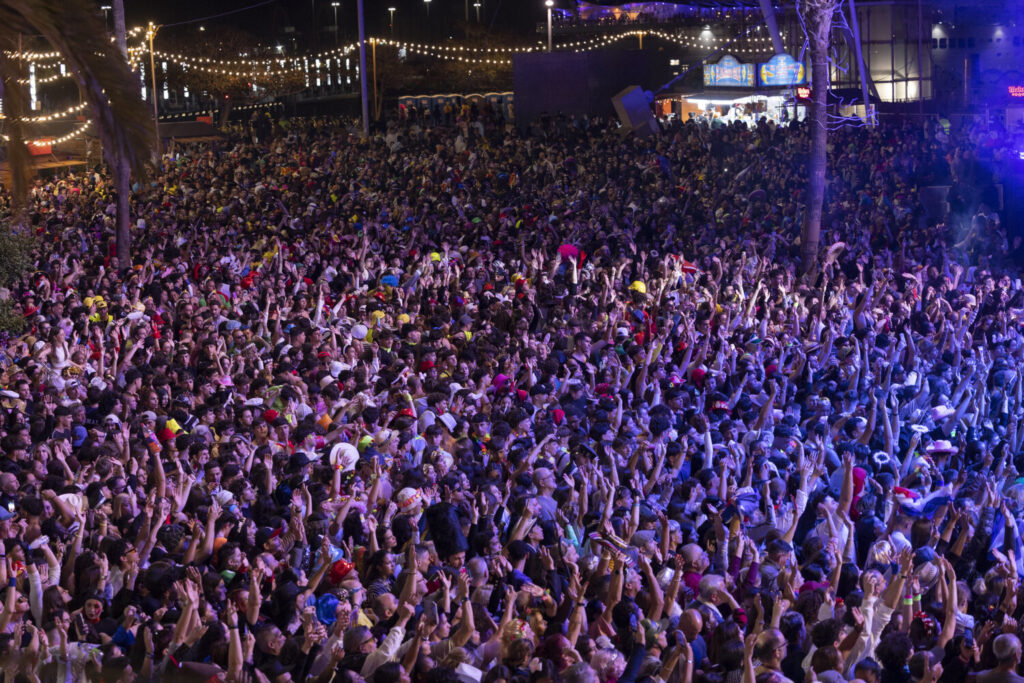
121, 119
74, 29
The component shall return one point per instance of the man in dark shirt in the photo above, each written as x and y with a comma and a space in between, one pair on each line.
1006, 648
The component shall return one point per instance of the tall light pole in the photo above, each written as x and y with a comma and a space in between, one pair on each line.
151, 33
362, 68
477, 6
335, 6
122, 173
376, 107
312, 21
106, 14
391, 20
549, 4
427, 3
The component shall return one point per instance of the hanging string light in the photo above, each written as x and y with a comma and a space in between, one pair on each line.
63, 138
52, 117
279, 66
80, 130
416, 48
699, 43
243, 107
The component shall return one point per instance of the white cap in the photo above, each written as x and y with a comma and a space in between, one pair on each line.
359, 331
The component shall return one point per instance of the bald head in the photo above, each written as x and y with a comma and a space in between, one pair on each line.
695, 557
690, 623
478, 568
1006, 647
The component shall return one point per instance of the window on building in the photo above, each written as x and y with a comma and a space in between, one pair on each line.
970, 43
942, 43
935, 43
961, 43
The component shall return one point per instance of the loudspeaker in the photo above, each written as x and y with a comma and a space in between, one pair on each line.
634, 111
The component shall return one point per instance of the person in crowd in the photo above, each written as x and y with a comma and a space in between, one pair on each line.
455, 403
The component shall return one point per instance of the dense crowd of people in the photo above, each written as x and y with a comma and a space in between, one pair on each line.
458, 404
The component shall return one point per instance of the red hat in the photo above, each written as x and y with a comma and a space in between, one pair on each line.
324, 354
270, 414
521, 393
165, 435
407, 412
558, 414
426, 365
339, 570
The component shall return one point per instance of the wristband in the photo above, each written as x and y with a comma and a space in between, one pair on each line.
12, 582
908, 601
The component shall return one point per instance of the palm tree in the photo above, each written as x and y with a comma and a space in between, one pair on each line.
74, 29
817, 16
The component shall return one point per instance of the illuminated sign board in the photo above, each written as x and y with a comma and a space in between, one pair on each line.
803, 93
729, 72
782, 70
1015, 90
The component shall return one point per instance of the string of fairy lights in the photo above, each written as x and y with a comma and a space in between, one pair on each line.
274, 66
79, 130
52, 116
277, 66
243, 107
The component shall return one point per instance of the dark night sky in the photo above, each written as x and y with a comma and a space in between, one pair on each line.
511, 17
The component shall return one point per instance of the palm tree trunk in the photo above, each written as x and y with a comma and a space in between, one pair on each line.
122, 176
818, 19
773, 26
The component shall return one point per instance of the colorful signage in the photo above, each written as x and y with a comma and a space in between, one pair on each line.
803, 93
782, 70
1015, 90
729, 72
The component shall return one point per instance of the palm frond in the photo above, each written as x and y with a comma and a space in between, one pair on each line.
73, 28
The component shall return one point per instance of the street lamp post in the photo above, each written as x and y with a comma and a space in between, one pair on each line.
335, 6
549, 4
427, 3
106, 13
312, 8
477, 6
361, 24
391, 20
151, 33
